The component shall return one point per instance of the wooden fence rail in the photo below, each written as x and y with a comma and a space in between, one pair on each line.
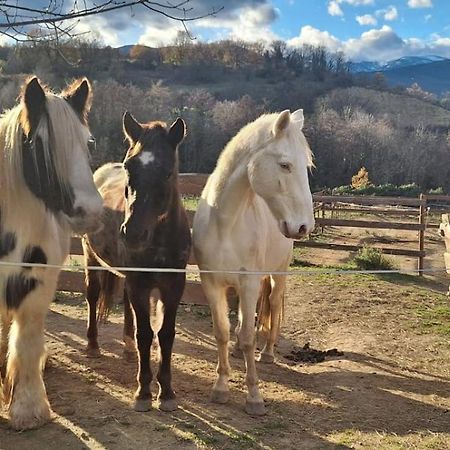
192, 185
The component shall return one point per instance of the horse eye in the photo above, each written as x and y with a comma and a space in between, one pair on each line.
91, 143
285, 166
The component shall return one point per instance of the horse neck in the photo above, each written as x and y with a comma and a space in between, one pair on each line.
234, 195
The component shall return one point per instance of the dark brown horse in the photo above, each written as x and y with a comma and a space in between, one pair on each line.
145, 225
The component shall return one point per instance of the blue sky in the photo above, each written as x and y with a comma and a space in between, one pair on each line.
362, 29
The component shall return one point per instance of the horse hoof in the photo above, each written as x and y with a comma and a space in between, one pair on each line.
168, 405
141, 405
266, 358
93, 352
220, 396
33, 418
255, 408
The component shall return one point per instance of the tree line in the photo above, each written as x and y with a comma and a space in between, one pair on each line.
219, 87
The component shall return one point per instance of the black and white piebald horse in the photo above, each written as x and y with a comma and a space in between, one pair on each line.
46, 193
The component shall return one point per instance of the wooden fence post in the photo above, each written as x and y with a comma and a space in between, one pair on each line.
422, 210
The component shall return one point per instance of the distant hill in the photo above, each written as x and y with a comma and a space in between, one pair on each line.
403, 110
125, 50
406, 61
432, 77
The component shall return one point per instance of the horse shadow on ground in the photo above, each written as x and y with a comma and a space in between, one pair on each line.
93, 401
92, 414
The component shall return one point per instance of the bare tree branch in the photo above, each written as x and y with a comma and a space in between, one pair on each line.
60, 17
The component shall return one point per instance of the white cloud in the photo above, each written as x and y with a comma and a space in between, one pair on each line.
156, 37
313, 36
240, 19
249, 24
98, 27
367, 19
381, 44
390, 13
357, 2
334, 9
420, 3
334, 6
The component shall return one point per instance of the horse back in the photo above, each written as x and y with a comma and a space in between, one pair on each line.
106, 245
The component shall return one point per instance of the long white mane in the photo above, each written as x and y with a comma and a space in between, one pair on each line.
252, 138
59, 129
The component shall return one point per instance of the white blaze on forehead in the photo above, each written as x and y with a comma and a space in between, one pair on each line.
146, 158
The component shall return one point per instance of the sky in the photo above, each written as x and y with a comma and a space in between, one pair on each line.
375, 30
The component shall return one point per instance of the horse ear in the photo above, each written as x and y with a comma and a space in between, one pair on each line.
298, 118
282, 122
79, 95
33, 99
177, 132
131, 127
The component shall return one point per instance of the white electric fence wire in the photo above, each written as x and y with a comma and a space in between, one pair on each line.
293, 272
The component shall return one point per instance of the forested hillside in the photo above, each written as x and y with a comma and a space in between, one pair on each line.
400, 136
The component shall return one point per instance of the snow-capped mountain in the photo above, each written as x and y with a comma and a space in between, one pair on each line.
406, 61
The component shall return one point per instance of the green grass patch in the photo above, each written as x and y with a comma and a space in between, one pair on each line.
435, 318
190, 202
369, 258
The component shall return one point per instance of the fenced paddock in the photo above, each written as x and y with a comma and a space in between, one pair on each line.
410, 215
388, 391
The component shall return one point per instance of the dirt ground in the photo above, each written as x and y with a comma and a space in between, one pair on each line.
390, 389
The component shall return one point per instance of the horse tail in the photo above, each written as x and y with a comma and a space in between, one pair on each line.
111, 292
264, 314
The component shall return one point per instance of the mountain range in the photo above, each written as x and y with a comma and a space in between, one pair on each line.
406, 61
431, 73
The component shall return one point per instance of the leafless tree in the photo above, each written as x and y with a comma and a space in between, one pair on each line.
57, 19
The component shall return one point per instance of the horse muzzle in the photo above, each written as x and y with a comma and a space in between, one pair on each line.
85, 225
297, 231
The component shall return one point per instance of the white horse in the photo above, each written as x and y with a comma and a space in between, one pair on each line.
256, 200
46, 192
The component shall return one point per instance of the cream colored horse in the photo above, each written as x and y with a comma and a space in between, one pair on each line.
254, 203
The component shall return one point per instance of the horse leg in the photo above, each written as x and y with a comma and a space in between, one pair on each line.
129, 350
139, 298
248, 297
6, 326
171, 298
276, 304
237, 351
24, 388
92, 293
219, 310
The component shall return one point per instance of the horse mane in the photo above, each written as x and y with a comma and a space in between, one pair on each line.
251, 138
59, 128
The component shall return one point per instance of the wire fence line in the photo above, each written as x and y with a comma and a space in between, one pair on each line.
189, 270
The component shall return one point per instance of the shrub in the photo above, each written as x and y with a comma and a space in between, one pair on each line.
387, 189
361, 179
369, 258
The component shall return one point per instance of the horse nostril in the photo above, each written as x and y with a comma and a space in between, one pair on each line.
80, 212
302, 230
144, 235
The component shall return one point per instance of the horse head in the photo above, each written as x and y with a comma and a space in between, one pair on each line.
278, 172
151, 164
55, 153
